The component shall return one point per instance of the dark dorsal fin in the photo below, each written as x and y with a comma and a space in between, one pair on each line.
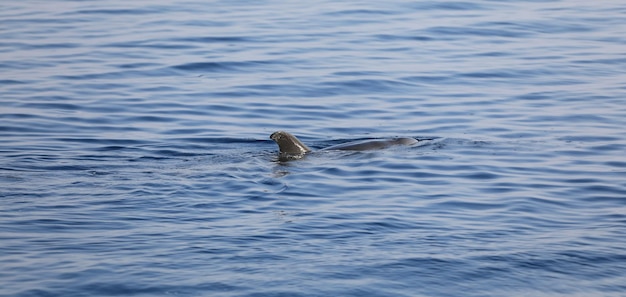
289, 144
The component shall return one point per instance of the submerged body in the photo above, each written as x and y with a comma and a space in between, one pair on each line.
289, 144
372, 144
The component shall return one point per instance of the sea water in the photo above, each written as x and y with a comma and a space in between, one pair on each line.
135, 157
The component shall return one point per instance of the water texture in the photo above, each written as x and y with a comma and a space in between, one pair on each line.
135, 157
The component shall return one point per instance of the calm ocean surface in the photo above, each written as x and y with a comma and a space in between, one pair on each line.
135, 157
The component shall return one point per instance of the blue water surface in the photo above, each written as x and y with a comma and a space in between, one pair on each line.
135, 157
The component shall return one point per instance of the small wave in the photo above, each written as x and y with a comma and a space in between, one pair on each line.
221, 66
